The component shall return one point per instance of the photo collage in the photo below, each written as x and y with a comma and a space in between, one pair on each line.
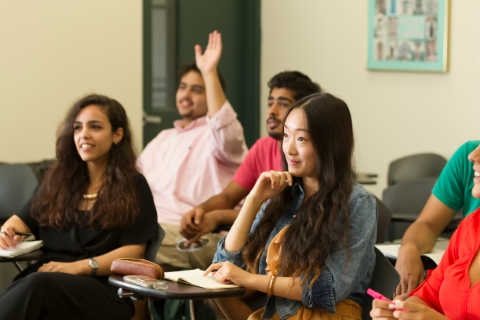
405, 30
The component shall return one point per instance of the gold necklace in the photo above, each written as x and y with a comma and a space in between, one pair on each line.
90, 196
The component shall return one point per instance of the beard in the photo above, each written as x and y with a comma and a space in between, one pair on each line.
188, 114
275, 135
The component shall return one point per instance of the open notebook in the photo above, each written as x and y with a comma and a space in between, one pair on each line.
196, 278
21, 248
391, 250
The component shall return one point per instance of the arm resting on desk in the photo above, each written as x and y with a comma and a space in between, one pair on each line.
81, 267
12, 225
420, 238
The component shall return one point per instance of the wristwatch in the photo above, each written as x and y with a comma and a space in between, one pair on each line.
93, 264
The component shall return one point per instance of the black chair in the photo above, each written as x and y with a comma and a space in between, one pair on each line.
154, 245
410, 196
384, 217
385, 280
17, 184
406, 200
416, 166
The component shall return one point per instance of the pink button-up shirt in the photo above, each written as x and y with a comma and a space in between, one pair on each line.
186, 166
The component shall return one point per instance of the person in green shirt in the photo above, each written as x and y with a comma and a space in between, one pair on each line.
452, 191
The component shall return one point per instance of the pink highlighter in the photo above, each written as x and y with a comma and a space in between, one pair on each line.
379, 296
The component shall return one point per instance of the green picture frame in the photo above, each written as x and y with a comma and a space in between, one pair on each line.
408, 35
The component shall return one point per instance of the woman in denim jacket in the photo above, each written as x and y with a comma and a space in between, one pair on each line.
311, 247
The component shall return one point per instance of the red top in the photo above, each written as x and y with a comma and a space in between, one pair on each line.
263, 156
447, 288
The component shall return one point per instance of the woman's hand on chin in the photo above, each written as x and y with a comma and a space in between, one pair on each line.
228, 273
271, 183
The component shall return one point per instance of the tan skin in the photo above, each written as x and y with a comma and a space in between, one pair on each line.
301, 160
93, 137
218, 210
199, 94
418, 239
417, 307
421, 236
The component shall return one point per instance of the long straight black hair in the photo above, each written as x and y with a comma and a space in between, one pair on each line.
322, 221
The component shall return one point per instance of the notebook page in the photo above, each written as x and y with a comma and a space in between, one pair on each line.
175, 275
196, 278
21, 248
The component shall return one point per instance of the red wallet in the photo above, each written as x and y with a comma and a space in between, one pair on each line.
137, 267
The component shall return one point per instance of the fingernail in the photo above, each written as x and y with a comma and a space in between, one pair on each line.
391, 306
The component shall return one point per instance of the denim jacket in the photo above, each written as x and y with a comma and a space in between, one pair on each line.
337, 281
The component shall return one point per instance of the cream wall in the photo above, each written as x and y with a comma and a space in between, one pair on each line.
394, 114
55, 51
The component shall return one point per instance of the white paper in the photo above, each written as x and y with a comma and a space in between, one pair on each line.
391, 251
196, 278
21, 248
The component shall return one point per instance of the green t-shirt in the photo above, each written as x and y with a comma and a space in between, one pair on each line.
454, 186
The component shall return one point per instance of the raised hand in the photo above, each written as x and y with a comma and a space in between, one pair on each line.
208, 61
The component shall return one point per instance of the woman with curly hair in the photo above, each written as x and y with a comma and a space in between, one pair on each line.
91, 208
311, 247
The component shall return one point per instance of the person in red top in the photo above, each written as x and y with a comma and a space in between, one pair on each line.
451, 291
285, 89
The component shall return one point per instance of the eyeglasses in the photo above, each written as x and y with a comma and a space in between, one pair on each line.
197, 245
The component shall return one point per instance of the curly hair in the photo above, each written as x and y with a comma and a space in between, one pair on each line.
60, 193
300, 84
322, 222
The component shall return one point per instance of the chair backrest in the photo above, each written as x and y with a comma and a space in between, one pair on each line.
416, 166
384, 217
410, 196
17, 184
385, 280
154, 245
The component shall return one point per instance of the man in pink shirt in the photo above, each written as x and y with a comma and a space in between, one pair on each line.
186, 165
265, 155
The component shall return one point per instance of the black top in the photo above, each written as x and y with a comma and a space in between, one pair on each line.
78, 243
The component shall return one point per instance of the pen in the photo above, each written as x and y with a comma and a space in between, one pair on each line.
19, 233
379, 296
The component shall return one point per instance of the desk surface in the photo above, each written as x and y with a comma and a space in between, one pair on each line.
176, 291
367, 178
31, 256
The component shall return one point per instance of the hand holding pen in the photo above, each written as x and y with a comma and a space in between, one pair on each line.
10, 236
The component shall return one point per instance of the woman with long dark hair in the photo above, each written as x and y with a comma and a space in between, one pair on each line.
91, 208
311, 247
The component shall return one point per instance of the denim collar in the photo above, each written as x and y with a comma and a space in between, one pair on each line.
297, 186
